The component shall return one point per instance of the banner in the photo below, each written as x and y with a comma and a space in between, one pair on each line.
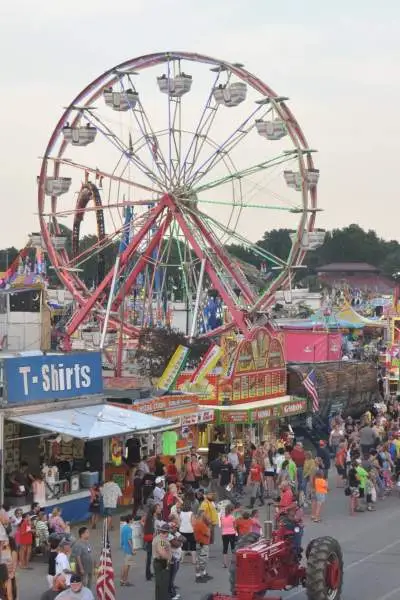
208, 363
52, 376
174, 367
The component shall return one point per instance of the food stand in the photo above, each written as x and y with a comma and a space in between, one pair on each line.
54, 419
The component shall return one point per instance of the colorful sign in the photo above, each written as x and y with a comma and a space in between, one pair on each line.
51, 377
294, 406
204, 416
256, 371
172, 402
234, 416
208, 363
174, 367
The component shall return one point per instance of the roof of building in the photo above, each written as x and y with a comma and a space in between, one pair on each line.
348, 266
368, 282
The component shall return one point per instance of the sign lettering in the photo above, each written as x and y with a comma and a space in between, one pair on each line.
48, 377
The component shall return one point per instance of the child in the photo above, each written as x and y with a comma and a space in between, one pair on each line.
15, 521
41, 533
353, 488
25, 541
127, 549
321, 491
370, 492
244, 524
255, 522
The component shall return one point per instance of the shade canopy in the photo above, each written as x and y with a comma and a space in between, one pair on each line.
92, 422
268, 402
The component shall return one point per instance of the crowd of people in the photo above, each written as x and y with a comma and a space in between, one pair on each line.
184, 511
24, 535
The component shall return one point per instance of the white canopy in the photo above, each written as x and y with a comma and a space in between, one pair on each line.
92, 422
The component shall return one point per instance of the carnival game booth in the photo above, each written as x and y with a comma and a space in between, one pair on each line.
57, 438
248, 382
188, 425
258, 421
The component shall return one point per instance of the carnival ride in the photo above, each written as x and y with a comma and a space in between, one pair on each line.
164, 184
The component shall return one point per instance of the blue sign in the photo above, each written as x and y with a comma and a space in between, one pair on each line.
49, 377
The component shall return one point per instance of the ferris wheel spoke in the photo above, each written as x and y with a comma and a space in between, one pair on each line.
148, 133
174, 127
212, 240
248, 172
100, 173
175, 135
226, 293
250, 205
258, 250
142, 261
79, 316
123, 148
107, 241
228, 144
201, 133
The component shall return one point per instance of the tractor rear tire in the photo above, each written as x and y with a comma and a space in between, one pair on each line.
324, 577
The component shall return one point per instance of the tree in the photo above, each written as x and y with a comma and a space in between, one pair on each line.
277, 241
156, 347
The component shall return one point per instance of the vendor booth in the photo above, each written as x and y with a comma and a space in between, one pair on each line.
55, 441
256, 421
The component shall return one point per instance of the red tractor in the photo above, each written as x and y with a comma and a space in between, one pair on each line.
274, 564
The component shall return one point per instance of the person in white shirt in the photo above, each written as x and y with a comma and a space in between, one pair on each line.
176, 541
62, 560
279, 460
186, 529
143, 466
233, 458
111, 493
159, 490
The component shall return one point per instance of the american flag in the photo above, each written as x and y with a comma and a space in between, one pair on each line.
105, 584
310, 384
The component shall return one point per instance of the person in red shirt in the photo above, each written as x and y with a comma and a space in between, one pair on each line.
287, 497
255, 481
171, 471
244, 524
298, 456
25, 540
340, 463
169, 500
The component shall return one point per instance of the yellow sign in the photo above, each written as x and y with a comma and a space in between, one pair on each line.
173, 368
208, 363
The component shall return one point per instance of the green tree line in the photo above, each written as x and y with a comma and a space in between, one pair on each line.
349, 244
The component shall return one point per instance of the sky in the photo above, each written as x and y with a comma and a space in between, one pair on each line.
337, 62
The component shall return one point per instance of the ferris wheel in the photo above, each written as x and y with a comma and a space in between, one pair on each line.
153, 172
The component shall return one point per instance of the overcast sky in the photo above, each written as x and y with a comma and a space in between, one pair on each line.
337, 61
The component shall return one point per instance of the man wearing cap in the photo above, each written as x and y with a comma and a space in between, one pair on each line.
77, 590
290, 520
159, 490
162, 555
